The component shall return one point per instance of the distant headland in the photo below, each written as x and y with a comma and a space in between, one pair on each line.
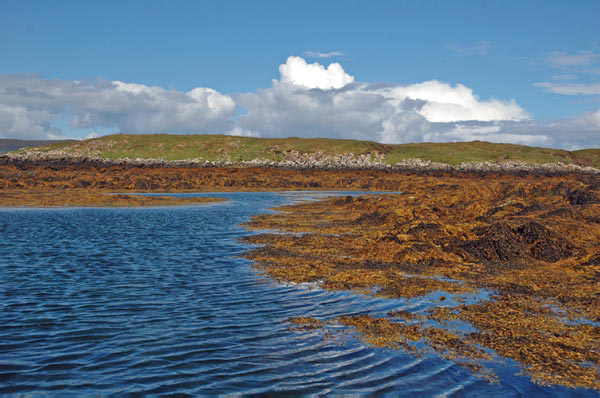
164, 150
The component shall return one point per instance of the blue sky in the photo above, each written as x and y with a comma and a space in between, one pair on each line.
544, 55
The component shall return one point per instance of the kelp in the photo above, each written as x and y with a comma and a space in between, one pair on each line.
531, 243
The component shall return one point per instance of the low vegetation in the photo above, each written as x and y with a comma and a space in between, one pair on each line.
230, 148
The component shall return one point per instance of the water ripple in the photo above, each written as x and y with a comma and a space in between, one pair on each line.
156, 301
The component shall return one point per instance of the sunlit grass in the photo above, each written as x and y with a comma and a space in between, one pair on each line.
223, 147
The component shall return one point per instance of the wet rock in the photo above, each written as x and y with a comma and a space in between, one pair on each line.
374, 218
581, 197
348, 200
424, 227
562, 212
531, 209
504, 242
141, 185
594, 260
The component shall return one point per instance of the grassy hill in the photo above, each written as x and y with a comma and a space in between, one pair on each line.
222, 147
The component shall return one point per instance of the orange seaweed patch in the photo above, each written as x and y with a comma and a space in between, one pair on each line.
532, 241
82, 197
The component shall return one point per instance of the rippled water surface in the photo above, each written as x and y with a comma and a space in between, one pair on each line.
125, 301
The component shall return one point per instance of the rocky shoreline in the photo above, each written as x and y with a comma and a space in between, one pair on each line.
508, 265
526, 234
294, 160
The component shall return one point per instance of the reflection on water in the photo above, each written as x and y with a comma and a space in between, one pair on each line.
156, 301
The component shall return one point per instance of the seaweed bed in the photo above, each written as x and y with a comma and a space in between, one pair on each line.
526, 246
532, 243
89, 198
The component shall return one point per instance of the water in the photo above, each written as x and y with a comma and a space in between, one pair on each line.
155, 301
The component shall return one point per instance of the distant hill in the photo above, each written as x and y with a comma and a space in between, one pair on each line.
8, 145
239, 149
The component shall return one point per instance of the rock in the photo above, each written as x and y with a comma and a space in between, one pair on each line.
375, 218
294, 159
504, 242
581, 197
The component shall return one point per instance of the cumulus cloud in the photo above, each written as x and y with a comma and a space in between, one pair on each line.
297, 72
582, 131
312, 101
138, 108
308, 100
446, 103
286, 109
20, 122
29, 104
431, 111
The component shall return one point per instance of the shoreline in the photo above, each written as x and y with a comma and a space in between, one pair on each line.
60, 181
530, 237
345, 162
530, 244
82, 198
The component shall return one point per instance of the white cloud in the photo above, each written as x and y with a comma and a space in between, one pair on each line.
564, 60
286, 109
392, 113
296, 71
317, 54
494, 133
240, 132
570, 88
91, 136
579, 132
308, 100
563, 76
446, 103
29, 104
588, 121
577, 68
302, 105
23, 123
137, 108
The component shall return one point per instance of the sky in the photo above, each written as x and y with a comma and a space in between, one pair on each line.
525, 72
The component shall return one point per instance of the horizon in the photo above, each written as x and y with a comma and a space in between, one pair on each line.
390, 72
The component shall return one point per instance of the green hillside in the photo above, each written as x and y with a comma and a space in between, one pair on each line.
222, 147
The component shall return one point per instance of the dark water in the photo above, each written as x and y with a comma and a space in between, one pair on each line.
154, 301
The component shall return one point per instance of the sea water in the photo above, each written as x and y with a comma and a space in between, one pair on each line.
129, 301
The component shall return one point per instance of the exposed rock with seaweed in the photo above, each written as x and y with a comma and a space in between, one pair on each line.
528, 237
531, 243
